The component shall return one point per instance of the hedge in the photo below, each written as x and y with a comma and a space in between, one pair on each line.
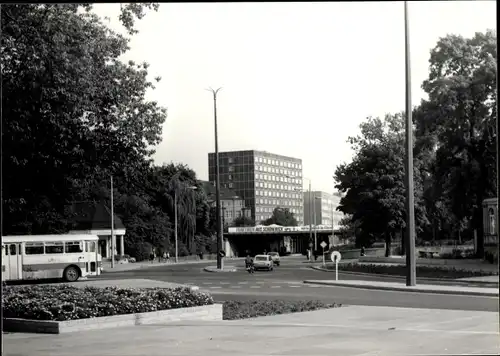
233, 310
67, 302
422, 271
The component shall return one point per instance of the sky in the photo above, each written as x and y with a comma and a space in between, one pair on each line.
297, 78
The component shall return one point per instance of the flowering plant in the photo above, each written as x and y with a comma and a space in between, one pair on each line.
68, 302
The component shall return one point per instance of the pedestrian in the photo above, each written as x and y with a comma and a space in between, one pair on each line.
168, 257
152, 257
164, 256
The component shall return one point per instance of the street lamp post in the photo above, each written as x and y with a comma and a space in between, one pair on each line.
411, 276
113, 241
315, 228
217, 184
309, 204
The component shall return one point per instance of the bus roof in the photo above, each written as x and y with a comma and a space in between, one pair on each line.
38, 238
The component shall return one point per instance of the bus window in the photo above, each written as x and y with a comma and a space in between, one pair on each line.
90, 246
12, 250
73, 247
54, 247
34, 248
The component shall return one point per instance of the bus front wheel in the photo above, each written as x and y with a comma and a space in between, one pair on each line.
71, 274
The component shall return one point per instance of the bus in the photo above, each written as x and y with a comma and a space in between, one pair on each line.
50, 256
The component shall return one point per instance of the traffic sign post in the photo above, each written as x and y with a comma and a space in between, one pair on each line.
336, 257
323, 245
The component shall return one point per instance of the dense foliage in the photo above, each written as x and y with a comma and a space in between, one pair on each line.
75, 115
441, 272
282, 217
454, 152
233, 310
68, 302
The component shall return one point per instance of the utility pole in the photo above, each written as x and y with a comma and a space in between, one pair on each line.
333, 235
411, 275
315, 229
310, 214
217, 185
175, 227
113, 242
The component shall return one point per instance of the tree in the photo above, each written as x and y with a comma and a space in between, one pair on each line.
347, 227
193, 211
73, 112
460, 114
243, 220
282, 217
373, 182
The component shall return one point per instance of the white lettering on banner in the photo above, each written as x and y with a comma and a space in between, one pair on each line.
277, 229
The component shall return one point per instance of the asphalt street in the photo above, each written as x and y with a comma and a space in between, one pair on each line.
286, 282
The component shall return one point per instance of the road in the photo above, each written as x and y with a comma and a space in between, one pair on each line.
286, 282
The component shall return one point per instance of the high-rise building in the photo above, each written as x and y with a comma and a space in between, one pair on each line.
324, 207
264, 180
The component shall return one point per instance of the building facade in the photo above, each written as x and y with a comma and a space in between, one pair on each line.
263, 180
321, 208
232, 205
490, 221
95, 218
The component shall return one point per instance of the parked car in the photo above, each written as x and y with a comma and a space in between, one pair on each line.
275, 256
263, 262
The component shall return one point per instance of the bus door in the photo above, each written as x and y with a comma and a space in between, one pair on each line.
13, 263
91, 258
5, 266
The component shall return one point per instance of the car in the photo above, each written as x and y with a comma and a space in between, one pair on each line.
275, 256
263, 262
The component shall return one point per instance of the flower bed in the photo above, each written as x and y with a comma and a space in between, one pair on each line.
422, 271
66, 302
233, 310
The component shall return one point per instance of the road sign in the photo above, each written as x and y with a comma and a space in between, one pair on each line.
323, 244
336, 256
222, 253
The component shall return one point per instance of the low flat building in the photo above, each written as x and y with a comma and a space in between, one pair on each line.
490, 212
95, 218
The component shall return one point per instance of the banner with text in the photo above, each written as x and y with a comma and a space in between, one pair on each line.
278, 229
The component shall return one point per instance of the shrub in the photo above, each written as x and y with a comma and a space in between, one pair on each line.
422, 271
491, 256
233, 310
67, 302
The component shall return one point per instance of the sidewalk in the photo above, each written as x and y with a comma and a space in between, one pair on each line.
488, 279
147, 264
346, 331
419, 288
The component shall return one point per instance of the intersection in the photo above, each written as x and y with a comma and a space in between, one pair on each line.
286, 283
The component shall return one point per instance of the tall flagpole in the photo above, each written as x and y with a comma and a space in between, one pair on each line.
411, 275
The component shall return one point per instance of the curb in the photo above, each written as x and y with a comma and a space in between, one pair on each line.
456, 281
212, 312
346, 261
215, 270
404, 289
172, 264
